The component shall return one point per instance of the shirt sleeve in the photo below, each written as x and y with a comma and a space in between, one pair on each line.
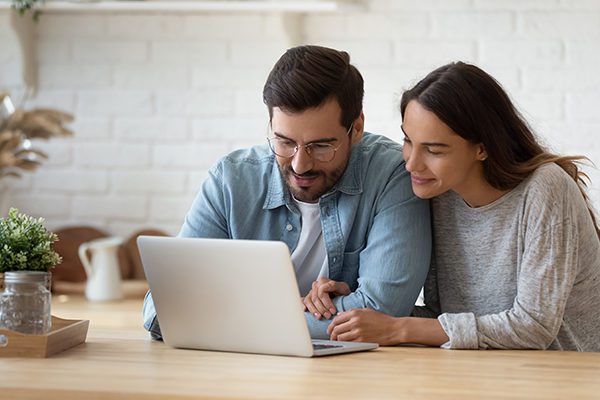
394, 263
206, 217
546, 277
150, 319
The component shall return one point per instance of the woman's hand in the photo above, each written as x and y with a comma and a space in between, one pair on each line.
318, 300
366, 325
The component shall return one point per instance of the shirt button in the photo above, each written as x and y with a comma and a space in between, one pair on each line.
334, 259
289, 227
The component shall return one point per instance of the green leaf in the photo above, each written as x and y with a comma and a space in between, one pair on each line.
25, 244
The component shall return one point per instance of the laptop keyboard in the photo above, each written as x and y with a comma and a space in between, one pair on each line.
325, 346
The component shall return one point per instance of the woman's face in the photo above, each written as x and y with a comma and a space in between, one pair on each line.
437, 158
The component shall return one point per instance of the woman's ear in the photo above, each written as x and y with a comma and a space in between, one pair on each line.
481, 153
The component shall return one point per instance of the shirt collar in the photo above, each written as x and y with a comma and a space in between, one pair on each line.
278, 193
351, 181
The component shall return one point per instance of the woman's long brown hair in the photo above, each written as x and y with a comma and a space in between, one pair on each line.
474, 105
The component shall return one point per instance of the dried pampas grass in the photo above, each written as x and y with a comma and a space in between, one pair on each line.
17, 129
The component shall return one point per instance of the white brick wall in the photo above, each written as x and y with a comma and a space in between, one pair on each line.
111, 155
159, 98
52, 180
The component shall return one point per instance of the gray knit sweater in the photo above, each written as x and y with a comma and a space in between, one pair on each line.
520, 273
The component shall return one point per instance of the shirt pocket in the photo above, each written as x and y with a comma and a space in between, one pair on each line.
350, 267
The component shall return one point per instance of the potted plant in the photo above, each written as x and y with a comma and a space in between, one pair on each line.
26, 257
25, 244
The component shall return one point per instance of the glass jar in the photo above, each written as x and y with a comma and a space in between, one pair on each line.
25, 302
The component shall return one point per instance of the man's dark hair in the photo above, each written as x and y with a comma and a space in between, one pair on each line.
307, 76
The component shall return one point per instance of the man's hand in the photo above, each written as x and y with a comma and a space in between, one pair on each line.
318, 300
365, 325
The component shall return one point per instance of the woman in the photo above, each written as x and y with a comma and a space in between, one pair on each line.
517, 249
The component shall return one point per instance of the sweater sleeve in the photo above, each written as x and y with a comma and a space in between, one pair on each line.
546, 277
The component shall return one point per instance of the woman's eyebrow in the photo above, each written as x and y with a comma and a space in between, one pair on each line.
427, 144
435, 144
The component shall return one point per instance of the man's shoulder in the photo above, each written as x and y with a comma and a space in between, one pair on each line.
380, 153
372, 142
255, 155
248, 161
245, 172
375, 161
242, 167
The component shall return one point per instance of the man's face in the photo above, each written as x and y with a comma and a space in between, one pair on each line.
307, 178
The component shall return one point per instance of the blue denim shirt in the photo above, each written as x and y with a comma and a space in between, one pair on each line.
376, 232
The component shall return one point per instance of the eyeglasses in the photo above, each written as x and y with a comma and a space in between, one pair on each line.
323, 152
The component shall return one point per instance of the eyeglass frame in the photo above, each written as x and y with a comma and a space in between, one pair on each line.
307, 147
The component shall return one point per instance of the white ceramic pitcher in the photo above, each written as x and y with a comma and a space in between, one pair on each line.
103, 272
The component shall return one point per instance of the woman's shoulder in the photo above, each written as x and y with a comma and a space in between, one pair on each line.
550, 180
550, 191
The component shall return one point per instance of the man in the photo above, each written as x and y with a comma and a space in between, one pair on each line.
340, 198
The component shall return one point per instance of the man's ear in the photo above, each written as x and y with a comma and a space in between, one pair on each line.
358, 128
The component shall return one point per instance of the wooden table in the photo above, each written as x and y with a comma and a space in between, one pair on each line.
119, 361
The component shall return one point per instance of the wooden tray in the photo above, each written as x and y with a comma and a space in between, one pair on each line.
64, 334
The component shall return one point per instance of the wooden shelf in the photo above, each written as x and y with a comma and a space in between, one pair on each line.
291, 13
286, 6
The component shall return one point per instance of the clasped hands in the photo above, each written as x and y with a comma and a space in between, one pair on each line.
318, 301
364, 325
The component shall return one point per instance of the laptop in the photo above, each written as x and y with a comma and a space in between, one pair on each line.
230, 295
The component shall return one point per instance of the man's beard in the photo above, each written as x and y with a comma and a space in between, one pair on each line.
311, 194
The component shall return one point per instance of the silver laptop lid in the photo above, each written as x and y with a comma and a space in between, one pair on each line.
228, 295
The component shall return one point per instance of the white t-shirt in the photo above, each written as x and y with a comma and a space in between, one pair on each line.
310, 256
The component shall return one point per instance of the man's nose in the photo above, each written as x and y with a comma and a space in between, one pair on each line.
302, 162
